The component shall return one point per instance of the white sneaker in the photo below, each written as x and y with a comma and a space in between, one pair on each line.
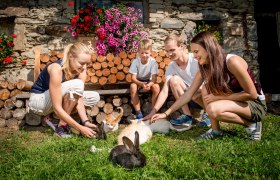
180, 128
255, 133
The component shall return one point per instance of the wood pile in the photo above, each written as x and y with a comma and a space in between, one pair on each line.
111, 69
12, 110
108, 70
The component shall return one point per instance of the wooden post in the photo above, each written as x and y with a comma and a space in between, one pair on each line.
37, 63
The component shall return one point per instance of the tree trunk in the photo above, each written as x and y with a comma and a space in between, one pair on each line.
19, 103
6, 113
2, 122
24, 85
108, 108
100, 103
12, 123
93, 111
32, 119
9, 104
126, 109
19, 114
117, 101
100, 117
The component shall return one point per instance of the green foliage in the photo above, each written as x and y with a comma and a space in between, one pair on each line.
207, 27
35, 155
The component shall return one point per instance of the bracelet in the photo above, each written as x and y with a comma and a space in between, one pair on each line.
165, 114
84, 122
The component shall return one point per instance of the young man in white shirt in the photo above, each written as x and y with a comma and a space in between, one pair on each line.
179, 76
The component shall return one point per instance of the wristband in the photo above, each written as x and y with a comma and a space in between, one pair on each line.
165, 114
84, 122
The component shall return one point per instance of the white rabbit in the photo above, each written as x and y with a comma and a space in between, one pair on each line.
145, 130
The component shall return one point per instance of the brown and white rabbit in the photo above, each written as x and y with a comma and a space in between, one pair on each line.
145, 130
128, 155
145, 133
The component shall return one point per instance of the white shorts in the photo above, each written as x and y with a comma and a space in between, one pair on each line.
41, 103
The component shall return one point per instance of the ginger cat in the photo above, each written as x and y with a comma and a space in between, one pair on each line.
111, 123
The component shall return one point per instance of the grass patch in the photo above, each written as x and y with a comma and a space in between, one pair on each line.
40, 155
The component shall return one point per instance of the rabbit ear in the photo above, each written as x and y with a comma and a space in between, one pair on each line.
136, 140
128, 144
102, 125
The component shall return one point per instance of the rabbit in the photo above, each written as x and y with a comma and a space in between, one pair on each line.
100, 133
128, 155
145, 129
159, 126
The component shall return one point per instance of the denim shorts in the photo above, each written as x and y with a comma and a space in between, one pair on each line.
41, 103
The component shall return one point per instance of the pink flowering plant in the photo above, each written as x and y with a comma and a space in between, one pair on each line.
116, 29
6, 48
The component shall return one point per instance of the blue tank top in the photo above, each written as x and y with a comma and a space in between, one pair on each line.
42, 83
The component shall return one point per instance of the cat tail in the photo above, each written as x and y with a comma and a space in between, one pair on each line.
119, 117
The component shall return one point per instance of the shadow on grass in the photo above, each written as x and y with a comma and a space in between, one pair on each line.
195, 131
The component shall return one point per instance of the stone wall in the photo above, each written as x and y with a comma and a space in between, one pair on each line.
39, 23
234, 18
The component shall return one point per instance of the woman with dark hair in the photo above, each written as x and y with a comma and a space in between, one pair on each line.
230, 92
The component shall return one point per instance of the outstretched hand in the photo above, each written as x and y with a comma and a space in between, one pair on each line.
90, 125
88, 132
157, 116
150, 115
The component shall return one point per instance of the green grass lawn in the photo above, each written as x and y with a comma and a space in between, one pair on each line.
40, 155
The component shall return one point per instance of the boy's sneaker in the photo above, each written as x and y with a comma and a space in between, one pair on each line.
62, 131
256, 132
185, 120
209, 135
205, 120
180, 128
139, 116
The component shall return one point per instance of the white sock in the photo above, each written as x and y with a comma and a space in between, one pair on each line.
252, 126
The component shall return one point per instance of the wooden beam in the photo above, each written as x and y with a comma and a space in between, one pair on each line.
37, 63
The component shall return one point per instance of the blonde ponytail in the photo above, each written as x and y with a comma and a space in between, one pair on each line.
74, 50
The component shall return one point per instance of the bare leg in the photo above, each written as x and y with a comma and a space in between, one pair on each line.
135, 97
68, 105
82, 113
197, 97
227, 111
178, 88
155, 89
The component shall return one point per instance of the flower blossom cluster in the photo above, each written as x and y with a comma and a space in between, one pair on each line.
85, 21
6, 48
116, 29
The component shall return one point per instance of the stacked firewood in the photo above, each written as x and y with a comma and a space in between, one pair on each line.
12, 110
103, 70
111, 69
46, 58
108, 106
